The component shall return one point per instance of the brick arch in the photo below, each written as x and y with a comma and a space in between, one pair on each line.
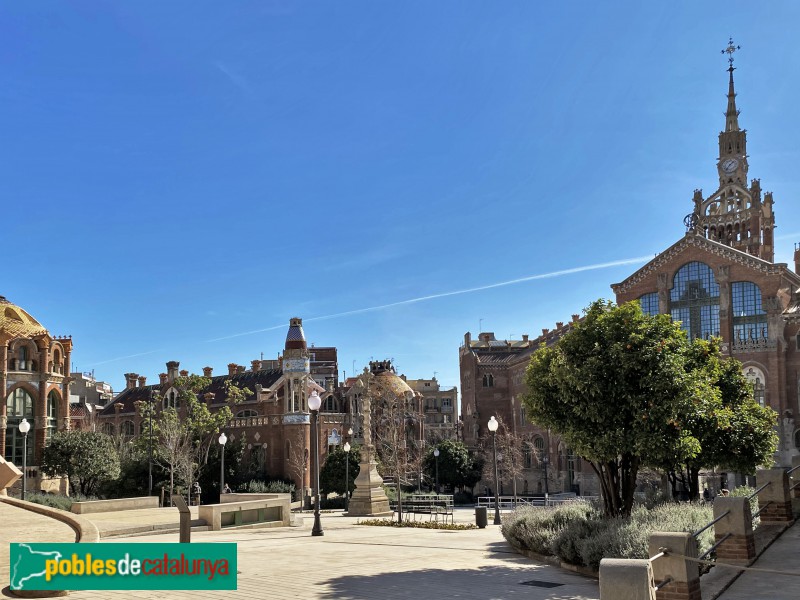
14, 347
27, 387
55, 366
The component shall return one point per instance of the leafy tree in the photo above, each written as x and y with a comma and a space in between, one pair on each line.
732, 429
614, 388
332, 473
456, 465
87, 458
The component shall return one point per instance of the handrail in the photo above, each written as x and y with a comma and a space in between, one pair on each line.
794, 486
714, 547
663, 583
719, 518
792, 470
657, 556
758, 490
758, 512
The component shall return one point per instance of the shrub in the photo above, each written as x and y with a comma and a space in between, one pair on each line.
58, 501
332, 503
744, 491
417, 524
579, 533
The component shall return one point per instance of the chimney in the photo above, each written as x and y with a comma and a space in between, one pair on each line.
130, 380
545, 331
255, 365
142, 380
172, 370
559, 324
162, 378
240, 369
184, 373
524, 337
207, 371
232, 369
575, 318
797, 258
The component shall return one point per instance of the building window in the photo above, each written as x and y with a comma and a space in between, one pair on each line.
329, 405
649, 303
527, 455
488, 380
243, 414
749, 318
52, 416
24, 360
171, 399
757, 380
447, 403
694, 300
19, 405
127, 429
797, 439
109, 429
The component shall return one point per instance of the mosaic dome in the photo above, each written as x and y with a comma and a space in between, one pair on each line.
15, 322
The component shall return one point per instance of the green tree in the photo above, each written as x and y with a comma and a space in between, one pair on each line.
87, 458
732, 429
456, 464
332, 473
614, 389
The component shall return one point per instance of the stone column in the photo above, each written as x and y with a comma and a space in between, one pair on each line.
626, 579
740, 547
774, 501
685, 574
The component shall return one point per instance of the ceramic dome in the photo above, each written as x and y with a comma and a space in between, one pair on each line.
16, 322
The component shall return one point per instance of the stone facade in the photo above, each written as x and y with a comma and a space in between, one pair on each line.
439, 409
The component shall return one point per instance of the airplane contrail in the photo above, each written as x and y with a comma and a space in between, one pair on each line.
110, 360
357, 311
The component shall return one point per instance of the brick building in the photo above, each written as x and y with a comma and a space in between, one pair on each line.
34, 381
438, 408
720, 280
274, 421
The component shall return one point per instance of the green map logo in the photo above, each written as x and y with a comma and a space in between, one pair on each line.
123, 567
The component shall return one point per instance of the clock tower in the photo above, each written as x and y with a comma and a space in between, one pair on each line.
735, 214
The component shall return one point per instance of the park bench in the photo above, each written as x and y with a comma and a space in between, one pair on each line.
433, 505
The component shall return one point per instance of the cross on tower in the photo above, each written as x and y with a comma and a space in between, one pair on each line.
730, 50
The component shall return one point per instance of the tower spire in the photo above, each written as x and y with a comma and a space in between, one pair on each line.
731, 114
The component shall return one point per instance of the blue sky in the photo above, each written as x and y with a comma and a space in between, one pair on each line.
174, 174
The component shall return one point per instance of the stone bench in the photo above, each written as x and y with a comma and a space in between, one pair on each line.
99, 506
273, 512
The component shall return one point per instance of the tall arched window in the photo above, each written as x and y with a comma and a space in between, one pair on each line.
52, 416
756, 378
127, 429
749, 318
24, 363
19, 405
527, 455
488, 380
649, 303
694, 300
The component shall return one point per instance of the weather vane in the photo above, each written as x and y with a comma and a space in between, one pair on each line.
730, 50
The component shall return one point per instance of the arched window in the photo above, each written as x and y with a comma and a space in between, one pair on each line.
248, 412
57, 361
757, 380
109, 429
52, 416
19, 405
330, 404
649, 303
171, 399
488, 380
694, 300
749, 318
527, 455
24, 359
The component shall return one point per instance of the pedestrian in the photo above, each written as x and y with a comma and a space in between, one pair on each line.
196, 491
226, 489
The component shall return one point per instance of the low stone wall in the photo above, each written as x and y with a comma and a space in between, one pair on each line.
99, 506
242, 497
231, 514
85, 531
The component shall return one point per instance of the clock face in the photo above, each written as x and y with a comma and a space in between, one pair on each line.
729, 165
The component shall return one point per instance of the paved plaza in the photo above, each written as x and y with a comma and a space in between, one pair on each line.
358, 562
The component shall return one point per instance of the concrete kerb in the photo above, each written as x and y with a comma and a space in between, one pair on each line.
85, 530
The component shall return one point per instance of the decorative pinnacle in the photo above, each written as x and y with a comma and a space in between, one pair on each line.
730, 50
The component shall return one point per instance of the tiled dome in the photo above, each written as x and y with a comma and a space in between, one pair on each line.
15, 322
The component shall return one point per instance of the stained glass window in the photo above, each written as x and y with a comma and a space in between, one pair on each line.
749, 318
694, 300
649, 303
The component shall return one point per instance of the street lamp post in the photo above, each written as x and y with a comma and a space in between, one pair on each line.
222, 439
493, 425
346, 474
150, 445
314, 402
24, 428
436, 455
545, 460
